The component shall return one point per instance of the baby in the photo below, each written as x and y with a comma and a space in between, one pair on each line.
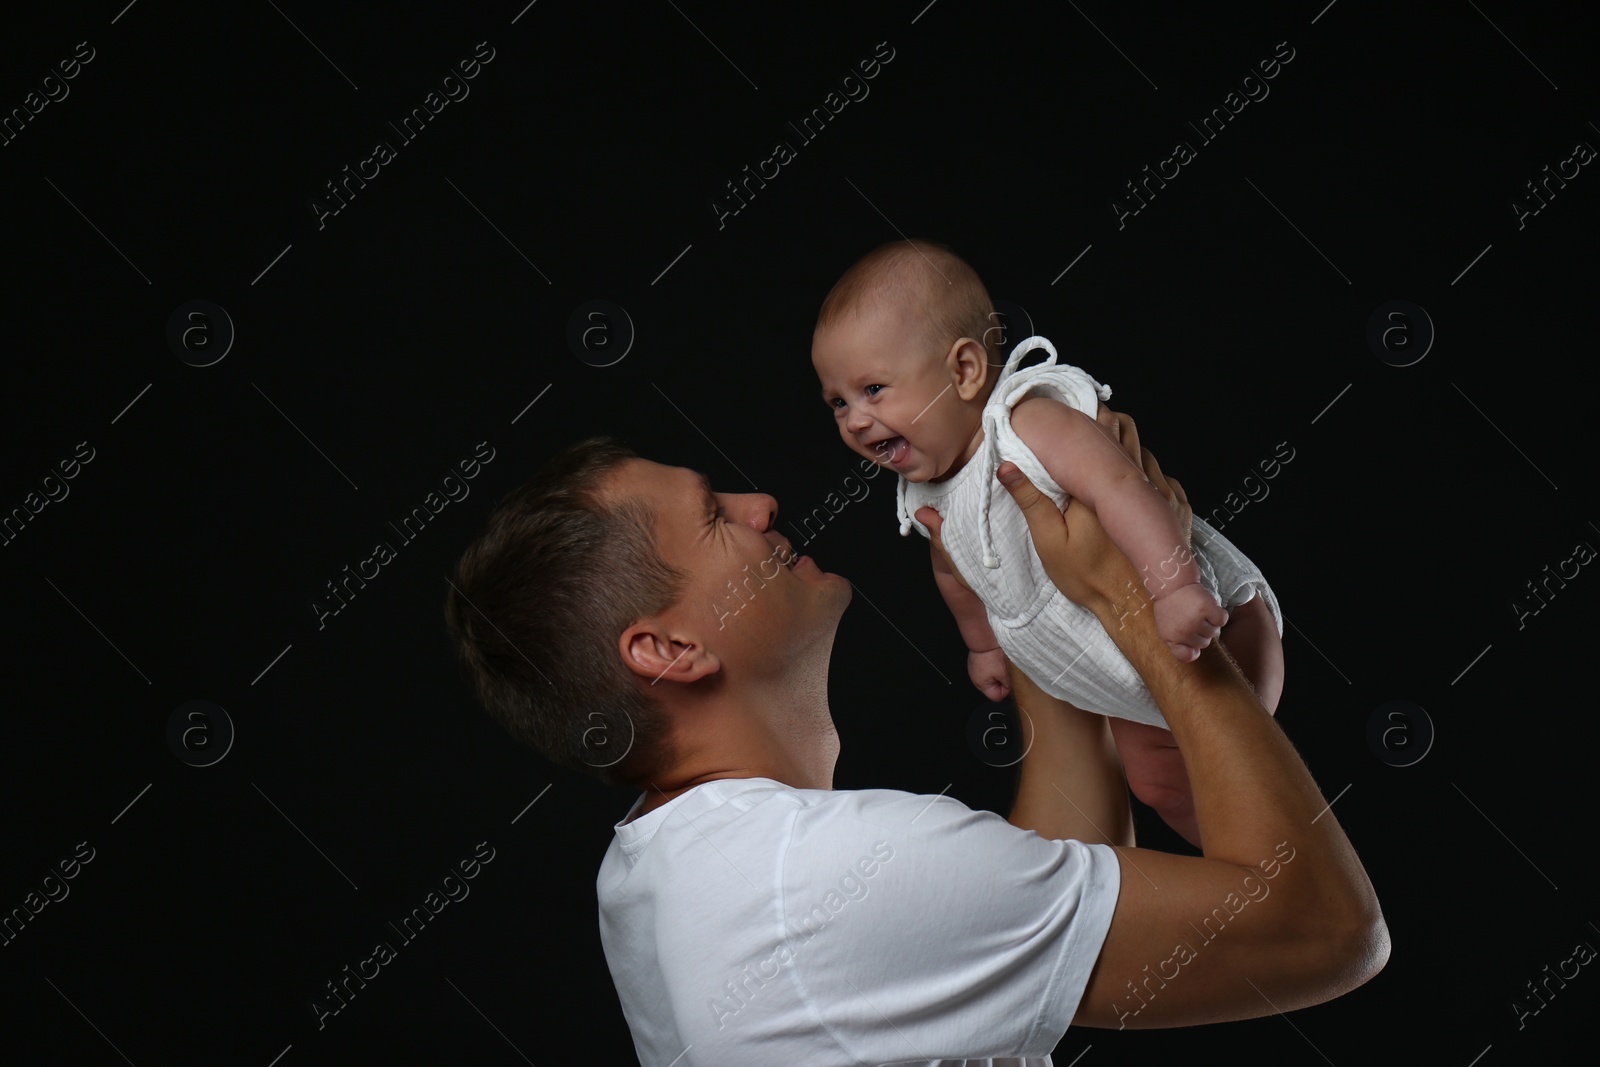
904, 347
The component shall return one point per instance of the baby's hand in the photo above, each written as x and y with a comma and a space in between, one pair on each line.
988, 672
1188, 619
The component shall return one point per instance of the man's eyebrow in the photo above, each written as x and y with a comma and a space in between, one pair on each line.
705, 487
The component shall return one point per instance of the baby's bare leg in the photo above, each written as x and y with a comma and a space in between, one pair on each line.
1251, 637
1156, 774
1150, 756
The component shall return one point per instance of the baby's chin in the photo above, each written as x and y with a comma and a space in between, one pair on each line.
921, 474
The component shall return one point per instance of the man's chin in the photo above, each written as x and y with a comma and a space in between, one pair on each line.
846, 592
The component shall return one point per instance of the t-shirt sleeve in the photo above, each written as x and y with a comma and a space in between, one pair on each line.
921, 929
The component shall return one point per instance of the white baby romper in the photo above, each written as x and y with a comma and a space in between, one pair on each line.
1057, 643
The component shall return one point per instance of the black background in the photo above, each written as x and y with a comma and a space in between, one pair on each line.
1230, 315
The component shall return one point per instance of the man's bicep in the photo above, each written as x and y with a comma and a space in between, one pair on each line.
1187, 940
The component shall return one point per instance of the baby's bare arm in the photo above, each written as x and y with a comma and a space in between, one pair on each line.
971, 617
986, 664
1090, 466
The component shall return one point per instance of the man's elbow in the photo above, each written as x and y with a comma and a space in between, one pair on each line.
1352, 950
1332, 941
1365, 945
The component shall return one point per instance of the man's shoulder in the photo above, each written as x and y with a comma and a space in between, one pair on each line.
747, 794
891, 808
763, 814
761, 825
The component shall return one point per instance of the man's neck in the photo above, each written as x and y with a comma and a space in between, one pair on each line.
674, 786
795, 745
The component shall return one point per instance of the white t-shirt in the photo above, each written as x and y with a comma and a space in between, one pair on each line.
747, 922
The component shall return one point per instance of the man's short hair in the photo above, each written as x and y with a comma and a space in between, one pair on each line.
538, 602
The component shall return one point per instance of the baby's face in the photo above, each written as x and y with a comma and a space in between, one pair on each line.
892, 397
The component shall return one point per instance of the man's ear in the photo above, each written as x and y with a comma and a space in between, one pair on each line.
649, 651
968, 361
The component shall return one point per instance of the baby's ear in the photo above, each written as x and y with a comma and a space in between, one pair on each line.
969, 360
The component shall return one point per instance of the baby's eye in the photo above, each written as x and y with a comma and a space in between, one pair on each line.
871, 390
836, 403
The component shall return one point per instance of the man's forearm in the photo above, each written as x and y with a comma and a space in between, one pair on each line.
1257, 807
1251, 789
1071, 784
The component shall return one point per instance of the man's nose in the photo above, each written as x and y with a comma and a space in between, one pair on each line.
756, 510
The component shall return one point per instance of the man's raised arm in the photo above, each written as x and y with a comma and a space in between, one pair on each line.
1279, 913
1071, 784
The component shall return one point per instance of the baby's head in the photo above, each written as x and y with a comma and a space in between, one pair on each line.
906, 350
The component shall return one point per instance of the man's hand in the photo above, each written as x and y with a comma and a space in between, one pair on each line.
989, 672
1322, 932
935, 522
1076, 551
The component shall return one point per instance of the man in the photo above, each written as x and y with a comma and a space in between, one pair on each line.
751, 914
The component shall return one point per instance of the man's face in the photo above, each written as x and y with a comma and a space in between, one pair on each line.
891, 397
753, 599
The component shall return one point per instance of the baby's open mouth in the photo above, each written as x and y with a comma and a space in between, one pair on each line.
892, 450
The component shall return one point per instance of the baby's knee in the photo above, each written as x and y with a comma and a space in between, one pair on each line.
1251, 638
1155, 771
1253, 612
1165, 790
